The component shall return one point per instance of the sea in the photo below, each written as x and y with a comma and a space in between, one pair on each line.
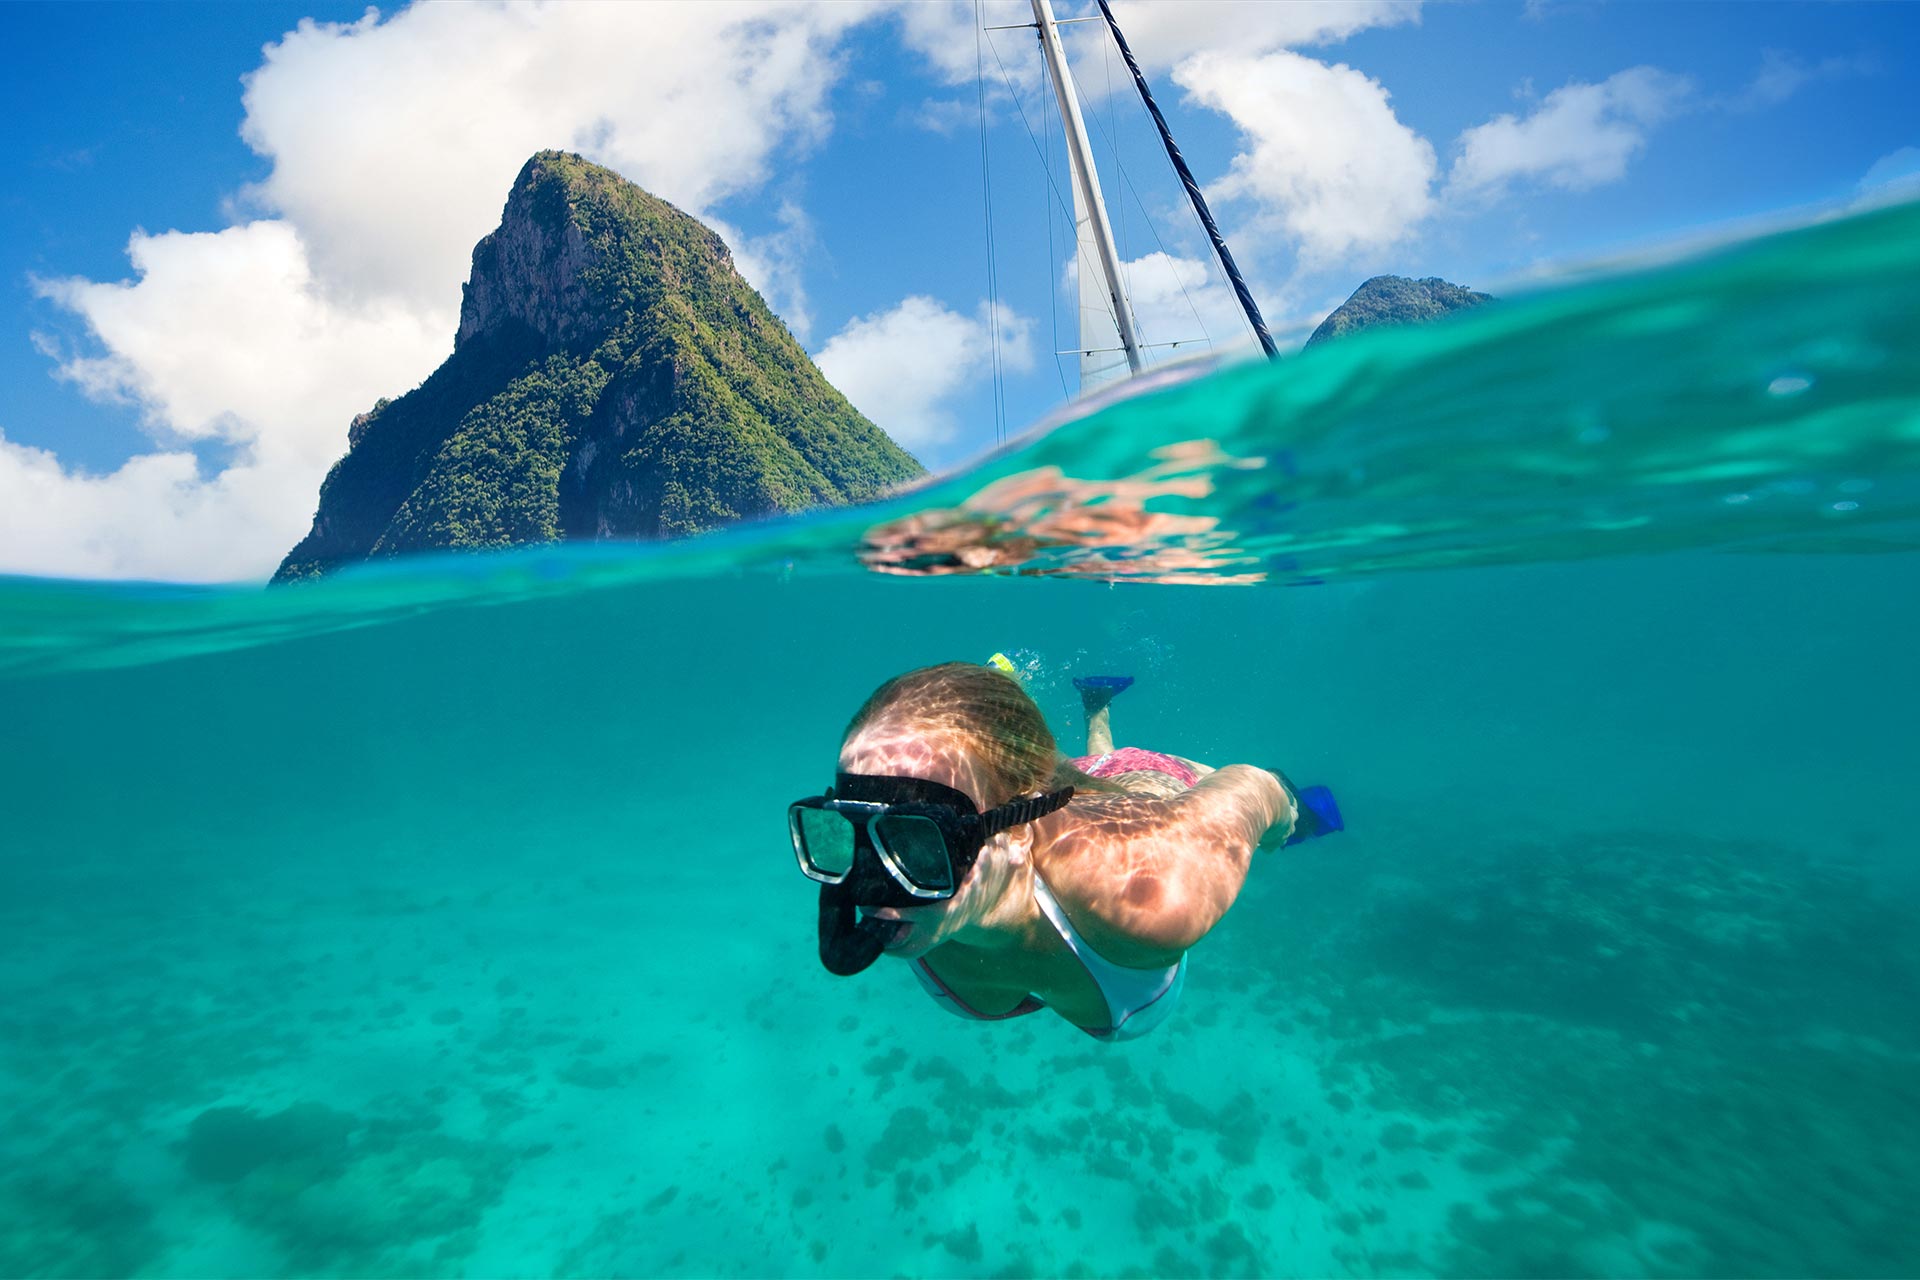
439, 918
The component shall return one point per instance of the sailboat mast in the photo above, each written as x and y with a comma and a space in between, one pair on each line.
1081, 152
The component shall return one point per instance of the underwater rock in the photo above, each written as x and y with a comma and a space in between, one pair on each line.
1650, 1053
339, 1193
225, 1144
1651, 935
73, 1219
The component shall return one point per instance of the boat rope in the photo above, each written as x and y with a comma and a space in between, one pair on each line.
993, 276
1240, 289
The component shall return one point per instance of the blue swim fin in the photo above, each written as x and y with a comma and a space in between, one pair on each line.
1109, 685
1317, 813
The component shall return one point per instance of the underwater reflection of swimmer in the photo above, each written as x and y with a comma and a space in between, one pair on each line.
1046, 522
958, 837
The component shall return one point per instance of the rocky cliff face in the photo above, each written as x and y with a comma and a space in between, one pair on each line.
1395, 300
612, 377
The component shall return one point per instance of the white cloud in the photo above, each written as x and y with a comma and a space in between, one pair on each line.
1328, 163
224, 337
946, 116
1894, 177
1175, 299
899, 367
393, 144
1161, 33
1580, 137
773, 263
1165, 33
1541, 10
955, 46
943, 32
227, 335
155, 517
1782, 75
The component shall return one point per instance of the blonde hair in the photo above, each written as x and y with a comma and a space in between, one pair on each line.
991, 715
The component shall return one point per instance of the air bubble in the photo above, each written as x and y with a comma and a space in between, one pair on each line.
1789, 384
1735, 499
1846, 506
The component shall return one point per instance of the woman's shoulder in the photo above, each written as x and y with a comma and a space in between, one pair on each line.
1106, 865
1117, 798
1131, 869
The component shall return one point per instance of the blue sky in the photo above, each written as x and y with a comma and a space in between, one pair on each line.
227, 228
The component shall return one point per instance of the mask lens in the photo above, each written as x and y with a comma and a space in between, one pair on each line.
918, 847
825, 839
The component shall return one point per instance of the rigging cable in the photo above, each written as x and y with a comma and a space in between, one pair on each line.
1061, 200
1113, 141
1193, 189
1148, 219
993, 280
1053, 285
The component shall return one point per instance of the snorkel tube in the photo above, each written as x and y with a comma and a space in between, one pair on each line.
849, 944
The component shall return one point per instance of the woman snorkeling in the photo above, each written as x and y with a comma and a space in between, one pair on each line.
958, 838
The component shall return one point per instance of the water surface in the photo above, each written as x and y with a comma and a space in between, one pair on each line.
438, 917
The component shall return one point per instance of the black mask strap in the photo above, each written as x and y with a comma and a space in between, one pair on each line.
1011, 815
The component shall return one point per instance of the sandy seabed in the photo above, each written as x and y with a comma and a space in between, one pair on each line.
1603, 1054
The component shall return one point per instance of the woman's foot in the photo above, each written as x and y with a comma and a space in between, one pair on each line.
1095, 693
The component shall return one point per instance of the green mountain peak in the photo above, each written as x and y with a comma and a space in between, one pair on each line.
1395, 300
613, 376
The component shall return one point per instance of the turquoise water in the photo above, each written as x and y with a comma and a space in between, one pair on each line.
438, 918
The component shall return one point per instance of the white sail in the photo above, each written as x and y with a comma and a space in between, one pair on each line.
1109, 347
1102, 357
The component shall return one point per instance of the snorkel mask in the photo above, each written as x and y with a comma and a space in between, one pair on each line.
891, 842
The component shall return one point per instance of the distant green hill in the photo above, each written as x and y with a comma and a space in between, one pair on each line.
1395, 300
613, 377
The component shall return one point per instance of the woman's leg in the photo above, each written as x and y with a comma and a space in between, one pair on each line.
1099, 725
1096, 693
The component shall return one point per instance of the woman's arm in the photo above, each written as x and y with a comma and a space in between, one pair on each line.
1159, 879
